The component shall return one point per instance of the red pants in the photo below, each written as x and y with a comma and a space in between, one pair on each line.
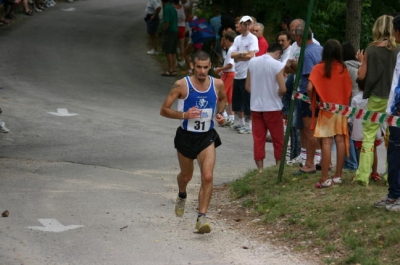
227, 78
262, 122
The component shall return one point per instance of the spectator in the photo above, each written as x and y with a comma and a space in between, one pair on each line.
191, 47
244, 48
377, 66
359, 102
3, 21
152, 19
266, 85
181, 29
215, 23
285, 23
330, 81
312, 56
170, 27
285, 41
12, 5
349, 58
227, 73
258, 31
392, 202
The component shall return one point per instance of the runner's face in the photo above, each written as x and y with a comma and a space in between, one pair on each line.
200, 69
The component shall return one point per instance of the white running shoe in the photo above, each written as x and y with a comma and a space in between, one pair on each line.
245, 130
3, 128
296, 161
152, 52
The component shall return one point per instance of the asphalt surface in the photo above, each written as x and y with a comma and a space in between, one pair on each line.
99, 187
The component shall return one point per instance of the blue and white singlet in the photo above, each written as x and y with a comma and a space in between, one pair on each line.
206, 101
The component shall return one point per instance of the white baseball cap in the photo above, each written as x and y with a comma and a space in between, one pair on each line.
245, 18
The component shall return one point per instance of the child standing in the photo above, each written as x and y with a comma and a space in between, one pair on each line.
227, 73
357, 133
331, 82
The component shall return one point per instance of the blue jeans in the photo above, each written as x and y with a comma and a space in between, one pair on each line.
393, 154
351, 162
295, 147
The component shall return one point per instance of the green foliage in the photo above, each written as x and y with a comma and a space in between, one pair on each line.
339, 221
328, 20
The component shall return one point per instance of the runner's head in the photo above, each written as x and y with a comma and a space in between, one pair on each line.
201, 64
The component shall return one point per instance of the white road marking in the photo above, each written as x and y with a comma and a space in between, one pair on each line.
52, 225
63, 113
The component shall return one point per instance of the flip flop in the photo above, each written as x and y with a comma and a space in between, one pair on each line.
326, 184
168, 73
301, 172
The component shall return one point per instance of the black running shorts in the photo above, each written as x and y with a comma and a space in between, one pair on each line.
190, 144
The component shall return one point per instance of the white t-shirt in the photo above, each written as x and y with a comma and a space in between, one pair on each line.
181, 16
264, 94
244, 44
358, 102
286, 54
151, 7
229, 60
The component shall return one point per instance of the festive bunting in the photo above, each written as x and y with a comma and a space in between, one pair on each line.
351, 112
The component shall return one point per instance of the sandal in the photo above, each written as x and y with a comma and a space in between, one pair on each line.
29, 13
326, 184
375, 176
336, 180
169, 73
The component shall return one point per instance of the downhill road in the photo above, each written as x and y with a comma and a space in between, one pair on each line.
99, 187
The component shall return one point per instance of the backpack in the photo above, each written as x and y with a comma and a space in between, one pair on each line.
201, 31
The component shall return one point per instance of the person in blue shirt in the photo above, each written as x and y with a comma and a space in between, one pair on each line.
200, 100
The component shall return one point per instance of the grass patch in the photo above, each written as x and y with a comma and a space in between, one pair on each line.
340, 222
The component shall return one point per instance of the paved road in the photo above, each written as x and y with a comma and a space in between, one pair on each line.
111, 169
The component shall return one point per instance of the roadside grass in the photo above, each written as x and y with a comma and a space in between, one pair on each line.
340, 222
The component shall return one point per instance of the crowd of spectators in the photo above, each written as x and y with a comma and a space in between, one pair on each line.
9, 9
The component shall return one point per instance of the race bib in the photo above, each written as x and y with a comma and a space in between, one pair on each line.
201, 124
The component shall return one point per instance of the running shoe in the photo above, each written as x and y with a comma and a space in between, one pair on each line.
202, 226
180, 206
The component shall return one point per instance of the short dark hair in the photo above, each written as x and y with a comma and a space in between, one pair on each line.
273, 47
287, 33
348, 51
200, 55
396, 23
230, 35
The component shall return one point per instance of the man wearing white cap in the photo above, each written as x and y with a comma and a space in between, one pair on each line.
244, 48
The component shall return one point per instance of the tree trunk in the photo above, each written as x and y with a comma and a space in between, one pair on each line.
353, 22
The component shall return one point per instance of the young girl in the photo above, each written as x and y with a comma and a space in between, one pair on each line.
331, 82
357, 134
377, 67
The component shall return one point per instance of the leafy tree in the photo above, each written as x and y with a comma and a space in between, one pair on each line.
344, 20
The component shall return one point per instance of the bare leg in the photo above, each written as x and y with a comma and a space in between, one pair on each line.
206, 161
171, 62
260, 164
154, 40
326, 145
186, 174
340, 154
310, 144
375, 164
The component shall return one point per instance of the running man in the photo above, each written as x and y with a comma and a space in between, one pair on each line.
200, 99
